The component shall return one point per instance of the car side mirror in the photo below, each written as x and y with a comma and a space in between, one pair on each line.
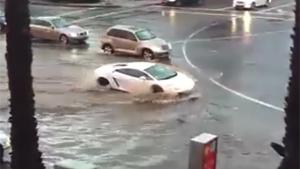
142, 78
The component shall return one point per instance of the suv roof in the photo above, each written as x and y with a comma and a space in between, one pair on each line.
126, 28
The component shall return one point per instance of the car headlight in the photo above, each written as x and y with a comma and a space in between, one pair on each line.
73, 34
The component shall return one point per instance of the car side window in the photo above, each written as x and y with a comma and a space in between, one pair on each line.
130, 36
45, 23
40, 23
133, 73
112, 32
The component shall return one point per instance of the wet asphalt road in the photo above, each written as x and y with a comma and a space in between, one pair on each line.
240, 61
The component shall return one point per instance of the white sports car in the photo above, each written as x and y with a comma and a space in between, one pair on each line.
144, 77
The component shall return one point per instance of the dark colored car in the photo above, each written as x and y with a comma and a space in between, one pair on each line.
181, 2
2, 22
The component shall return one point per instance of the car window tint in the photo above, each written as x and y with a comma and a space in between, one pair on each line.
130, 36
41, 23
133, 72
45, 23
112, 32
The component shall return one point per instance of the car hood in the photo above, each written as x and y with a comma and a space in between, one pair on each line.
72, 29
179, 83
155, 41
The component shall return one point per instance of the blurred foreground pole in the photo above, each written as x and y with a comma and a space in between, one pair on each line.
203, 152
24, 138
292, 133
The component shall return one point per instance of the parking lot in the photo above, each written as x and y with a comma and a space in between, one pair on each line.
239, 59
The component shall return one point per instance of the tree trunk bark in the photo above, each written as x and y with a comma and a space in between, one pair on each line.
24, 139
291, 138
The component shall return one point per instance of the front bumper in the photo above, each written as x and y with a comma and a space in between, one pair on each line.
242, 6
165, 54
78, 38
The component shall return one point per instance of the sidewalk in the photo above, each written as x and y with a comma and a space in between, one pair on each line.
101, 3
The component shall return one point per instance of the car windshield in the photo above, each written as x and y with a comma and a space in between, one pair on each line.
59, 23
160, 72
1, 13
145, 35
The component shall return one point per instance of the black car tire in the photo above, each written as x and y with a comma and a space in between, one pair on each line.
147, 54
2, 28
156, 89
267, 3
108, 49
64, 39
102, 81
253, 6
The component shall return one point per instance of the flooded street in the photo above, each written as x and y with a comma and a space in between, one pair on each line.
239, 93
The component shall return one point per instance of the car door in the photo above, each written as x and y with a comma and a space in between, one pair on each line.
131, 80
48, 31
115, 37
35, 28
129, 42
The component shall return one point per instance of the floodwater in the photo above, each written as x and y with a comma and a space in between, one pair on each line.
80, 120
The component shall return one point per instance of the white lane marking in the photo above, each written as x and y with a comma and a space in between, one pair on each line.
276, 7
245, 96
187, 40
76, 11
104, 15
217, 83
232, 37
230, 15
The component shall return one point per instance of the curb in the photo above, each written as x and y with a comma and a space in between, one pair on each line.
82, 5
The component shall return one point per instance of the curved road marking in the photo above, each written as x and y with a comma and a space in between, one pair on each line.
245, 96
216, 82
232, 37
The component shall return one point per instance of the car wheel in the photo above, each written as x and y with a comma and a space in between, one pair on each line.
2, 27
267, 3
102, 81
178, 3
108, 49
253, 6
148, 54
64, 39
156, 89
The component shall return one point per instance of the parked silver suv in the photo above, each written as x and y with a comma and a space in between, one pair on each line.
56, 28
135, 41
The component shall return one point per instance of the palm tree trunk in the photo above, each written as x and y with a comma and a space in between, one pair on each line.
291, 138
24, 139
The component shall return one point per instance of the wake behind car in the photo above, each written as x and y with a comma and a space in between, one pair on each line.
57, 29
2, 22
135, 41
250, 4
144, 77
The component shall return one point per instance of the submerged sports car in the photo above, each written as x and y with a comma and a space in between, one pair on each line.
144, 77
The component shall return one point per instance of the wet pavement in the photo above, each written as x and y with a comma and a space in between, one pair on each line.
239, 59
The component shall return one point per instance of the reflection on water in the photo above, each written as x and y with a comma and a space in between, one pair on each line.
246, 20
171, 14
